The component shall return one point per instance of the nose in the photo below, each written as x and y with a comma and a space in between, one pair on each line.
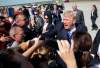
66, 21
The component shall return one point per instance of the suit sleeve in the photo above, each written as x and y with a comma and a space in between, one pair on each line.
96, 43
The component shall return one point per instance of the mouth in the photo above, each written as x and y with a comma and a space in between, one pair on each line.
65, 25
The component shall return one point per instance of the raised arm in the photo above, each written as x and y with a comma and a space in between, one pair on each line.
29, 51
66, 53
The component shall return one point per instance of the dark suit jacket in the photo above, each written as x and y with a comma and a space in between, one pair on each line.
56, 17
94, 50
96, 43
52, 35
50, 27
80, 23
94, 15
60, 33
80, 17
49, 14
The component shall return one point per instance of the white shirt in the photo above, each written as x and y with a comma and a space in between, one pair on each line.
14, 44
45, 27
98, 52
73, 29
30, 12
92, 12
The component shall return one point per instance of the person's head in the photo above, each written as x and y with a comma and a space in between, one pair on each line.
7, 59
83, 43
83, 40
74, 7
11, 59
20, 9
46, 19
2, 22
94, 7
3, 28
68, 19
20, 20
16, 33
55, 6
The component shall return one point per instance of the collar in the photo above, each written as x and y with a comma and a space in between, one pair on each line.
73, 29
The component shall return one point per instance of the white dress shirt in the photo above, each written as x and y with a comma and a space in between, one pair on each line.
45, 27
98, 52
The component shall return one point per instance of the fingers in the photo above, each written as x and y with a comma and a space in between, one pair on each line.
59, 53
59, 44
64, 44
72, 45
39, 37
36, 40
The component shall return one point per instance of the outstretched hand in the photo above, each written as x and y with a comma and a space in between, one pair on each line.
66, 53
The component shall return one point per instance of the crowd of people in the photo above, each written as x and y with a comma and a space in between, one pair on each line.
38, 37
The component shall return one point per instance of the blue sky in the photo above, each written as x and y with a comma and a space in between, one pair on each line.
13, 2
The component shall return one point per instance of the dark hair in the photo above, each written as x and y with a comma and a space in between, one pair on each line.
49, 7
2, 17
95, 7
10, 58
83, 43
7, 59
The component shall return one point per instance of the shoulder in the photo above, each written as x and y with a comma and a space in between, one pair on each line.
98, 33
80, 11
81, 28
59, 25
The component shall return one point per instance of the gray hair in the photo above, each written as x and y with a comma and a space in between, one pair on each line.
69, 12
